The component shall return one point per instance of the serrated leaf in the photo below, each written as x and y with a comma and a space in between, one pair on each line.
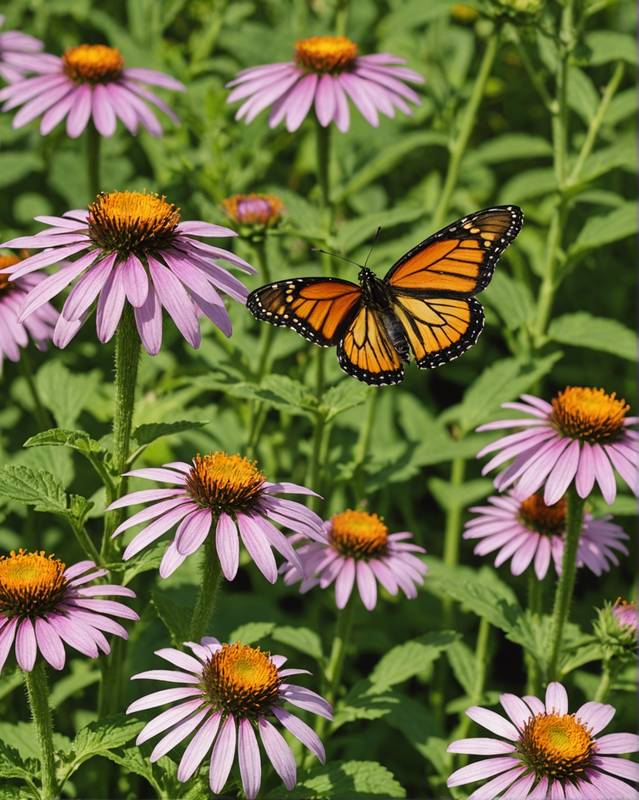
349, 780
252, 632
64, 393
303, 639
59, 437
409, 659
347, 394
596, 333
13, 765
149, 432
280, 392
98, 737
604, 229
34, 487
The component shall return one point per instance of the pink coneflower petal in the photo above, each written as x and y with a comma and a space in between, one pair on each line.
562, 474
110, 306
249, 759
258, 547
167, 719
223, 755
198, 747
148, 320
136, 282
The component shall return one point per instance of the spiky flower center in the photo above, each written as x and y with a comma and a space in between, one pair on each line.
253, 209
93, 63
30, 583
358, 534
591, 415
325, 53
225, 482
556, 745
241, 680
626, 613
5, 262
132, 222
547, 520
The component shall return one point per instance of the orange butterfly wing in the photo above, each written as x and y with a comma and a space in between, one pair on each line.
319, 309
366, 352
461, 257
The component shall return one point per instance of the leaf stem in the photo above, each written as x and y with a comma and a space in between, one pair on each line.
211, 579
604, 684
458, 147
93, 142
38, 695
566, 582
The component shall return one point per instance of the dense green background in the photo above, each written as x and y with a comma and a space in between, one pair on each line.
390, 176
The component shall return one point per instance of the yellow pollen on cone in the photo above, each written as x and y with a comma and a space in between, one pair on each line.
326, 53
241, 679
589, 414
549, 520
358, 533
557, 745
5, 262
93, 63
29, 581
224, 482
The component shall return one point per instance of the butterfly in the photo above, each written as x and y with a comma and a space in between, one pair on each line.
424, 304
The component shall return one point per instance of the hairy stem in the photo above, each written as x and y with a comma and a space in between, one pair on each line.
38, 695
209, 587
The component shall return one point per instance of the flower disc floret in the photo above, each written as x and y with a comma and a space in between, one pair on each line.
132, 222
93, 63
30, 583
556, 745
5, 262
544, 519
224, 483
591, 415
358, 534
332, 54
241, 680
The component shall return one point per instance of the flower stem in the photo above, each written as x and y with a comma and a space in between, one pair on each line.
535, 588
38, 694
127, 356
458, 147
341, 17
41, 414
452, 535
604, 683
362, 445
566, 582
481, 668
209, 586
93, 160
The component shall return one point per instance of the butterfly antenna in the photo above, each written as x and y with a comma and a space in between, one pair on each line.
379, 230
335, 255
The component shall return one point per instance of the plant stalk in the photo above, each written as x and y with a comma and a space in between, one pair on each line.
209, 587
93, 160
38, 695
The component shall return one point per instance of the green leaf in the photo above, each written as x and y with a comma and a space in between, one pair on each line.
64, 393
511, 299
303, 639
176, 618
145, 434
387, 158
462, 661
34, 487
106, 734
252, 632
606, 46
83, 673
354, 232
347, 394
280, 392
348, 780
414, 720
604, 229
596, 333
583, 98
59, 437
13, 765
510, 146
528, 184
362, 703
453, 497
14, 166
502, 381
409, 659
621, 155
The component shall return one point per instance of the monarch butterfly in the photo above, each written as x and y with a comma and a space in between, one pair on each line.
425, 303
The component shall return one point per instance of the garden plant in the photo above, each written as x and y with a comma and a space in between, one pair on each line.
391, 556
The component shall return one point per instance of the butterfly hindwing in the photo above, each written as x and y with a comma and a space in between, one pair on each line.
461, 257
438, 329
317, 308
366, 352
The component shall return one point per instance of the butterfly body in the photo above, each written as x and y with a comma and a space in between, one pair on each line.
425, 304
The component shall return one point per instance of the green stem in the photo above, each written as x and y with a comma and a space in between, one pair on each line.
41, 414
93, 160
566, 582
604, 683
535, 588
314, 480
333, 673
481, 668
458, 148
341, 17
127, 356
38, 694
84, 541
209, 586
363, 443
452, 535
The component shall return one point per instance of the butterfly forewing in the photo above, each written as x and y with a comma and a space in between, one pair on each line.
461, 257
366, 352
317, 308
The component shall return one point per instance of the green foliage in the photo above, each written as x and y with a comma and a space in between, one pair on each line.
348, 779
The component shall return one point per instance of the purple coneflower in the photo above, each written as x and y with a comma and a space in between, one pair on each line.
218, 494
230, 692
89, 82
545, 753
134, 247
18, 53
359, 548
13, 333
327, 71
44, 605
529, 531
626, 614
254, 210
582, 436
